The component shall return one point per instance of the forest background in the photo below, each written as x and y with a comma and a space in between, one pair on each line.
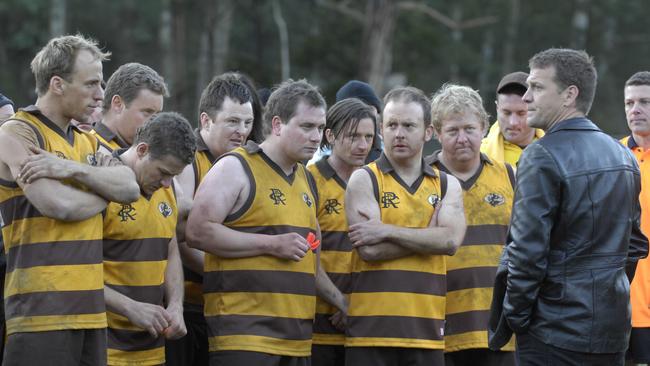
424, 43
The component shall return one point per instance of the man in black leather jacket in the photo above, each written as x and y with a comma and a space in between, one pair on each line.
575, 225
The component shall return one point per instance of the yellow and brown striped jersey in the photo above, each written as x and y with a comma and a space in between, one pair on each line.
400, 302
487, 197
336, 249
109, 141
136, 245
203, 161
265, 303
54, 275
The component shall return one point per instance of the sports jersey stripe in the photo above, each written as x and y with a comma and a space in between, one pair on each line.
479, 256
336, 241
341, 280
485, 235
400, 304
16, 208
261, 263
403, 281
468, 321
129, 341
260, 303
148, 273
464, 278
56, 303
149, 294
278, 327
273, 229
46, 323
54, 253
52, 278
43, 230
380, 327
136, 250
469, 299
193, 294
286, 282
148, 357
272, 345
324, 325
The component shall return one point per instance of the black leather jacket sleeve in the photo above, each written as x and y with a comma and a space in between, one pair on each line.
535, 207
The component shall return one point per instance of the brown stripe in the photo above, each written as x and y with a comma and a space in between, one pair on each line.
399, 281
373, 179
137, 250
16, 208
273, 229
283, 282
265, 326
148, 294
343, 281
394, 327
55, 303
192, 276
54, 253
252, 190
323, 325
129, 340
475, 277
485, 235
336, 241
469, 321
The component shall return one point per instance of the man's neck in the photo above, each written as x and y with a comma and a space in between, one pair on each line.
110, 121
50, 109
272, 149
565, 115
342, 169
408, 169
642, 141
461, 169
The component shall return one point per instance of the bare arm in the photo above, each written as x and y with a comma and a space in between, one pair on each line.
152, 318
114, 183
51, 197
223, 191
174, 292
184, 186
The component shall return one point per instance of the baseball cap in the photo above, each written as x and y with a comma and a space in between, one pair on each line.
517, 78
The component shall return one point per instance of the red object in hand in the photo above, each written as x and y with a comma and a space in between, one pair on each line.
313, 243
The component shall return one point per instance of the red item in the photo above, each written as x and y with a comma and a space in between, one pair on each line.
313, 243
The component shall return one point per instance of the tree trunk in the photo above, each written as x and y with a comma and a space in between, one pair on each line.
376, 50
457, 41
580, 23
165, 39
221, 36
487, 55
58, 12
511, 38
284, 39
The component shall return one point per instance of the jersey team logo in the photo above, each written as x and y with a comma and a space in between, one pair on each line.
91, 159
433, 199
165, 209
305, 197
332, 206
389, 199
277, 196
494, 199
126, 213
60, 154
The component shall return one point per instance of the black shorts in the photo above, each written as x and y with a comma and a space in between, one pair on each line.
480, 356
192, 349
325, 355
639, 349
393, 356
245, 358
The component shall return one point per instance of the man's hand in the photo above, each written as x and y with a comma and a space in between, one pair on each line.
289, 246
152, 318
369, 232
177, 328
43, 164
339, 320
106, 160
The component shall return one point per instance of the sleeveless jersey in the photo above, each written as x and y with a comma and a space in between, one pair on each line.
201, 164
487, 198
399, 302
336, 249
54, 277
264, 303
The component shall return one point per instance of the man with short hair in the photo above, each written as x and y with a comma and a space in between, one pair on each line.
637, 112
255, 217
405, 217
142, 267
460, 121
51, 199
508, 137
349, 134
134, 93
226, 119
567, 295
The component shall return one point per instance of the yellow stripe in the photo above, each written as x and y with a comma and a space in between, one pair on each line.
260, 303
45, 230
397, 304
154, 356
149, 273
262, 344
475, 256
56, 322
329, 339
117, 321
323, 307
193, 293
393, 342
419, 263
259, 263
8, 193
471, 340
80, 277
336, 262
471, 299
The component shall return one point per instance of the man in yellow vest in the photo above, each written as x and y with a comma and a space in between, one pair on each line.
510, 134
226, 119
255, 217
51, 199
405, 217
637, 112
460, 121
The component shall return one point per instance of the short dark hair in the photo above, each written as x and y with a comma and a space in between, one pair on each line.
225, 85
129, 79
345, 116
58, 56
286, 97
639, 78
572, 67
408, 94
168, 133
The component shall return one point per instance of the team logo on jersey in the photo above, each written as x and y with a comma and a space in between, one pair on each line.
165, 209
305, 197
332, 206
389, 199
127, 212
494, 199
277, 196
433, 200
91, 159
60, 154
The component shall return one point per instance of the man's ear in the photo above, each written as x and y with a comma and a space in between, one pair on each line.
57, 85
117, 103
276, 125
142, 149
570, 95
204, 120
428, 132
